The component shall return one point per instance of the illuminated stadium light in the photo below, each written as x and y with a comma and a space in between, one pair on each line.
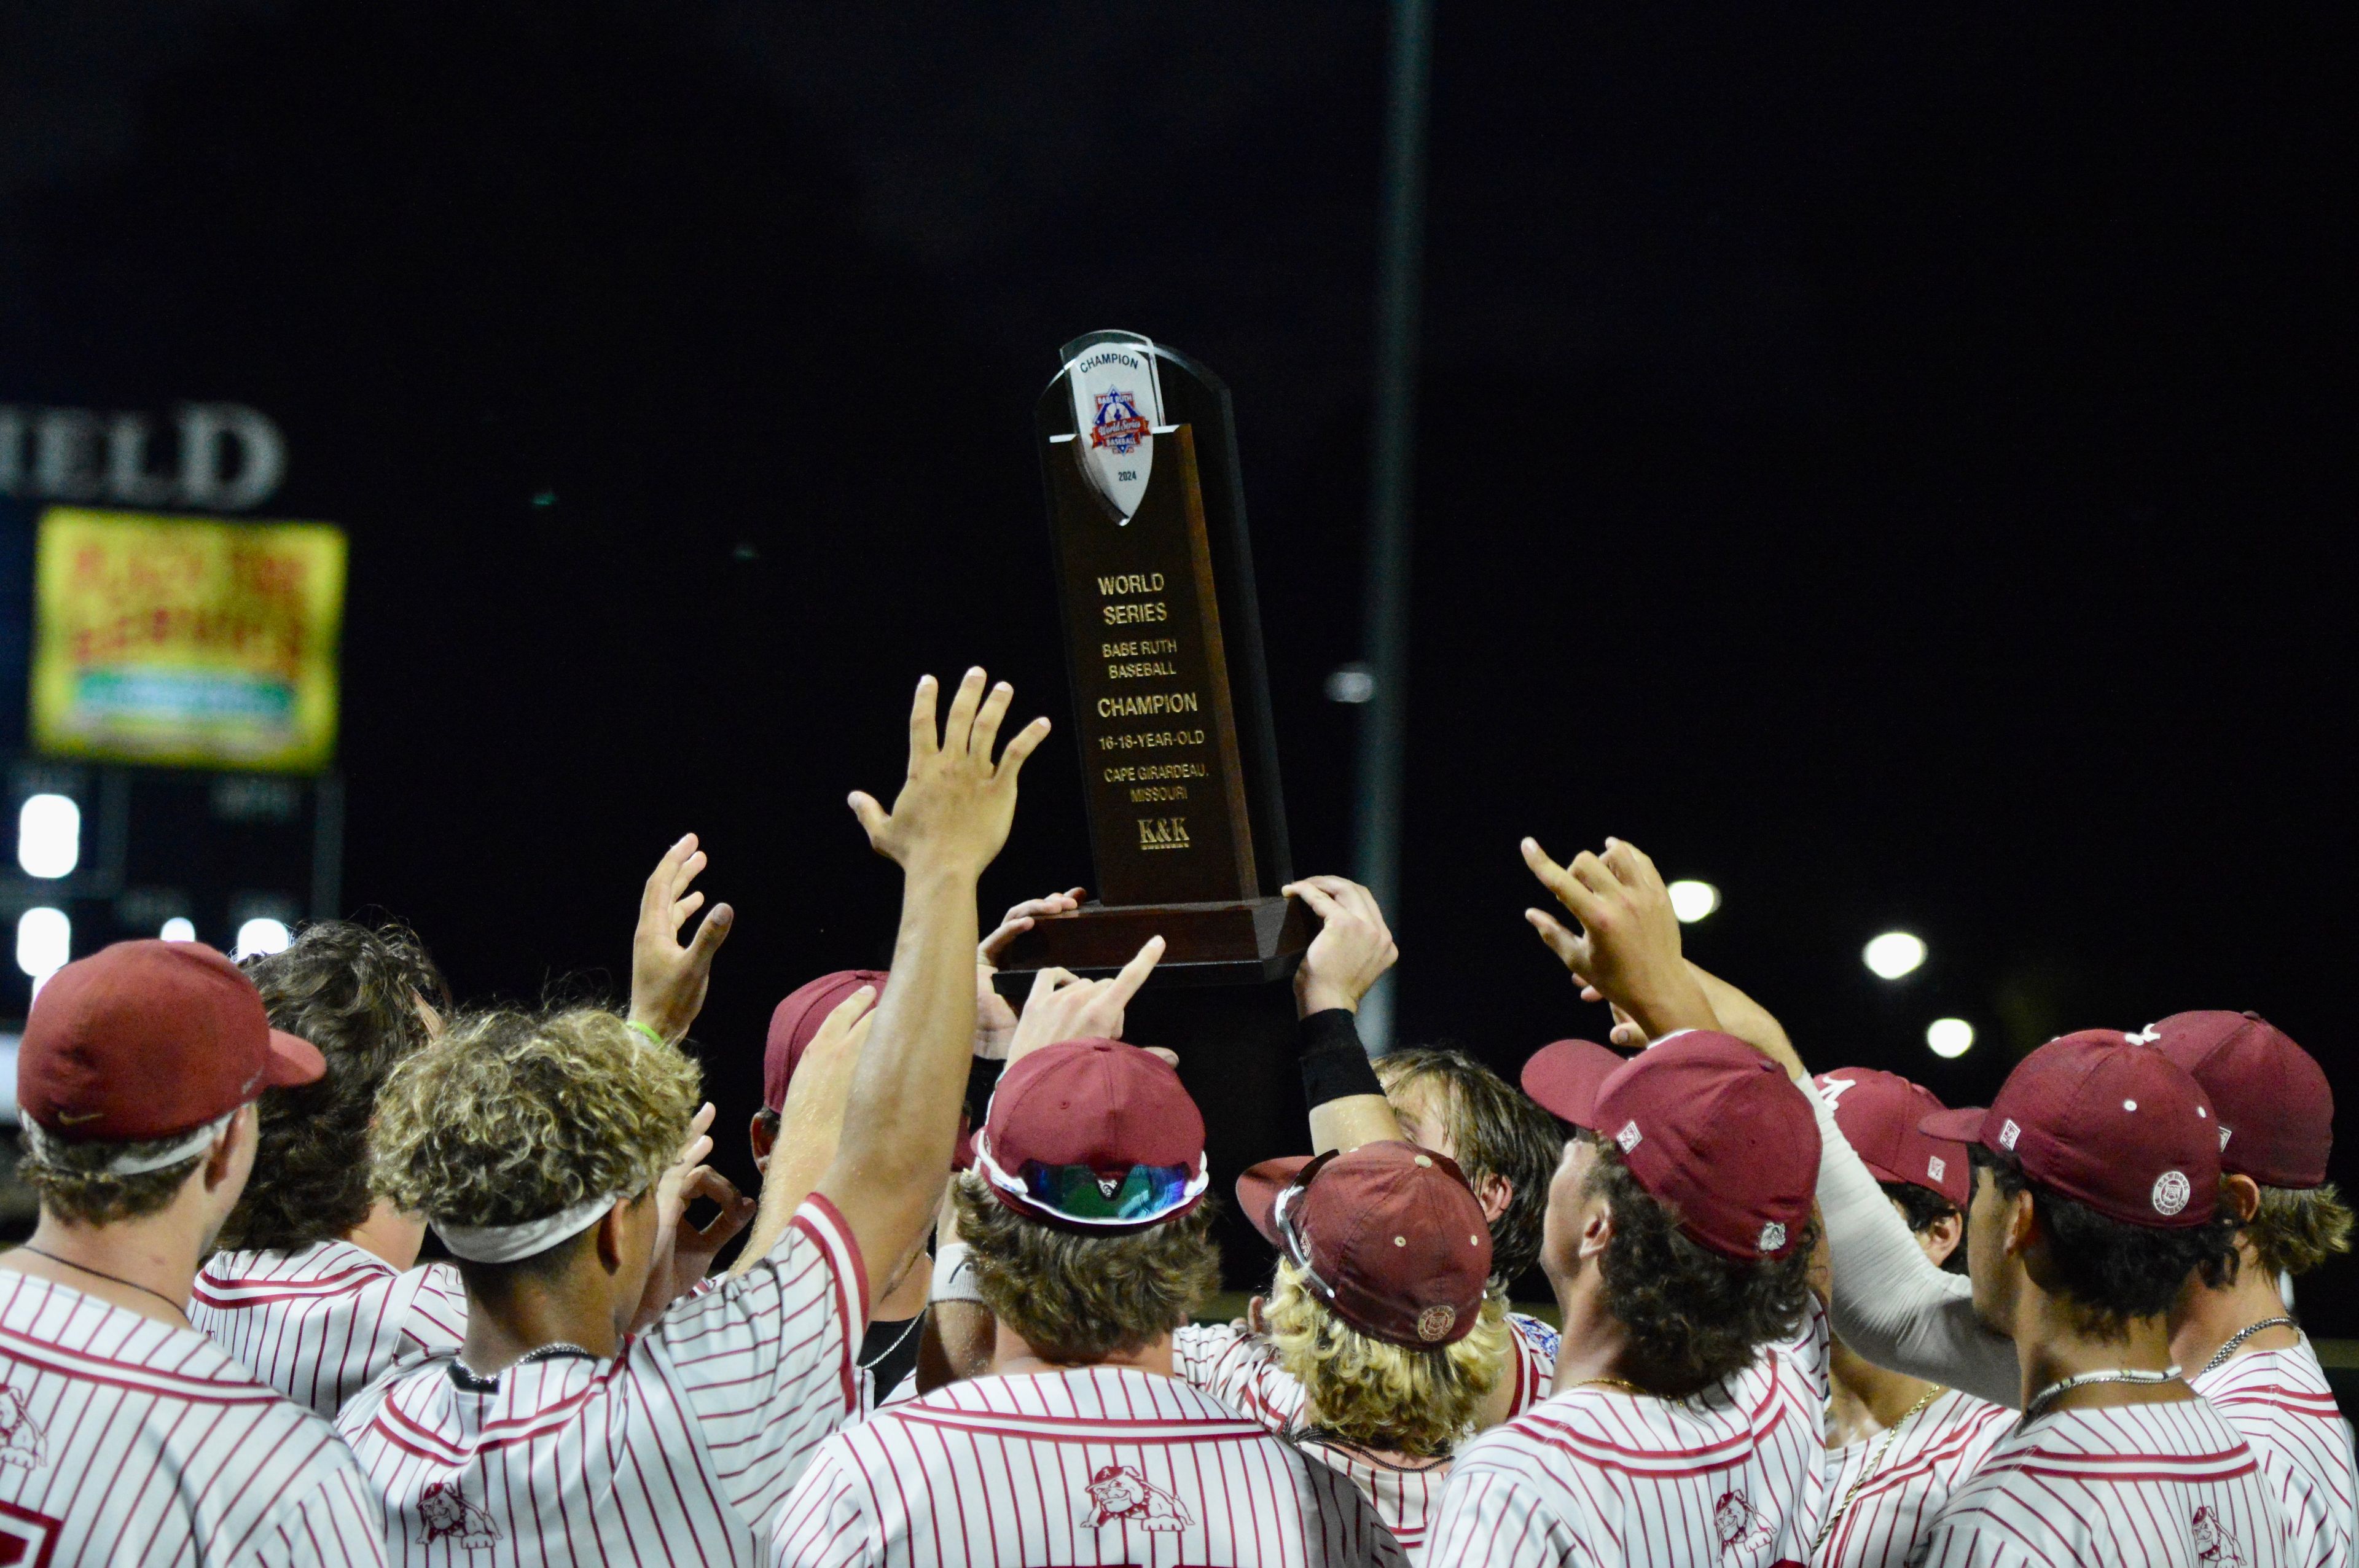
261, 936
44, 942
1692, 901
1949, 1036
180, 928
1354, 683
49, 836
1893, 954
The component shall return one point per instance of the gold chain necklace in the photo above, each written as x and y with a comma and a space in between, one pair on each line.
1875, 1464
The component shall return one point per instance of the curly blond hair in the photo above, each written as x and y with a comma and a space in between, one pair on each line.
1379, 1395
512, 1116
1077, 1298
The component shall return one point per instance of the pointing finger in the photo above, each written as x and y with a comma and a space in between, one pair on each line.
1134, 974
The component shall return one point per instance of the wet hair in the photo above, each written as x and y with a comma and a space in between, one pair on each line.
1693, 1316
1924, 1208
1376, 1394
514, 1116
72, 1183
354, 992
2294, 1232
1498, 1132
1078, 1298
2108, 1271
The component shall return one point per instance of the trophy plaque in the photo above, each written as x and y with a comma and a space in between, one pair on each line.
1146, 518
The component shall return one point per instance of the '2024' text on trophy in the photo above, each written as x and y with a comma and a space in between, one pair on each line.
1171, 698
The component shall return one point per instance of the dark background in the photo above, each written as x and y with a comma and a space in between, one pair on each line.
1896, 467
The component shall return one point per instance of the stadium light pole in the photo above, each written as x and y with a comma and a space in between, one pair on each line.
1384, 718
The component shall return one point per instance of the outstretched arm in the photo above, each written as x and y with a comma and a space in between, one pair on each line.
1350, 955
668, 978
946, 825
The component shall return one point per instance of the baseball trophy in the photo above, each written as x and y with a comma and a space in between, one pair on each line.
1147, 517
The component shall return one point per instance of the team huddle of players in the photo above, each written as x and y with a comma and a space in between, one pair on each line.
1801, 1320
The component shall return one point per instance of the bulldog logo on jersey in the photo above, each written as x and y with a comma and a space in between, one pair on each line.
22, 1441
1120, 1494
1741, 1528
445, 1515
2214, 1547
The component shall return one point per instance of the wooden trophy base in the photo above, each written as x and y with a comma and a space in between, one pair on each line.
1232, 942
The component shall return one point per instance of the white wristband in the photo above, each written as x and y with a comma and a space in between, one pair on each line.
953, 1276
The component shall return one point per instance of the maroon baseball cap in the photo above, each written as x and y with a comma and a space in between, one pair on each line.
1706, 1123
796, 1023
1094, 1136
145, 1039
1388, 1235
2275, 1106
2101, 1120
1878, 1113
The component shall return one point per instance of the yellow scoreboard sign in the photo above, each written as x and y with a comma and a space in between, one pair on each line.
186, 640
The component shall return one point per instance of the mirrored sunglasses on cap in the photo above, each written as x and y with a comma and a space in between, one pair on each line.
1079, 1193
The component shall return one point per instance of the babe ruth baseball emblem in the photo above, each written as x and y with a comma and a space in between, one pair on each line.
2214, 1547
1741, 1528
22, 1441
2170, 1192
1120, 1494
445, 1515
1773, 1237
1117, 405
1434, 1322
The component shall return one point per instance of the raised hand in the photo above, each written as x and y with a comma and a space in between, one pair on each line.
667, 980
1627, 950
1352, 951
954, 809
994, 1019
1063, 1006
682, 1253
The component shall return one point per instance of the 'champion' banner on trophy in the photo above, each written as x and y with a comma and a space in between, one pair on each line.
1118, 405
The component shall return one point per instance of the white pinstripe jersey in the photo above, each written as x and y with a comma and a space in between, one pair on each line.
1092, 1465
124, 1440
1928, 1456
2279, 1403
1242, 1371
2123, 1487
1731, 1478
324, 1323
677, 1452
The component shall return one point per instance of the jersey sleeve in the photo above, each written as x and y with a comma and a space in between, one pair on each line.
435, 1320
765, 1362
1490, 1518
338, 1524
1892, 1304
827, 1522
1239, 1369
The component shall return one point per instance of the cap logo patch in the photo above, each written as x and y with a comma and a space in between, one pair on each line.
2007, 1134
1831, 1089
2225, 1135
1934, 1167
2170, 1192
1773, 1237
1434, 1322
1627, 1139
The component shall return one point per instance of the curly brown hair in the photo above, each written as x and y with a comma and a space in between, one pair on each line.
1495, 1130
512, 1116
354, 992
71, 1181
2294, 1232
1078, 1298
1692, 1315
2108, 1272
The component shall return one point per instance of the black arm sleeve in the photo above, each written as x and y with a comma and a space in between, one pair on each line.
1334, 1065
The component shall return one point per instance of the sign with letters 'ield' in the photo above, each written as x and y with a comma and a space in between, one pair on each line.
1163, 646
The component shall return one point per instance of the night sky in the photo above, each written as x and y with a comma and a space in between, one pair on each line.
1896, 467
